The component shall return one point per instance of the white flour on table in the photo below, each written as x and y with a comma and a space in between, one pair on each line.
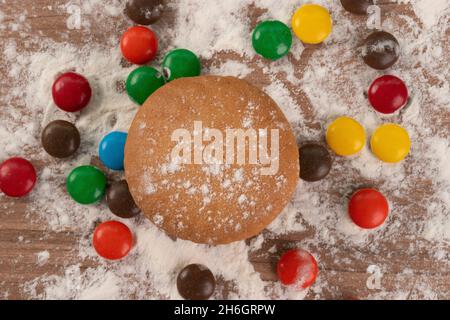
331, 76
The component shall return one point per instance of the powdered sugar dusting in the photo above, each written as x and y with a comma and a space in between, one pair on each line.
311, 87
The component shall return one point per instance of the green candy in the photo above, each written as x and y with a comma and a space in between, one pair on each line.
272, 39
86, 184
180, 63
142, 82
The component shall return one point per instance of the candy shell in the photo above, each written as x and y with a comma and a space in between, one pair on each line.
297, 268
387, 94
112, 150
112, 240
368, 208
17, 177
390, 143
346, 136
139, 45
315, 162
196, 282
120, 201
144, 12
71, 92
312, 23
272, 39
60, 139
180, 63
142, 82
86, 184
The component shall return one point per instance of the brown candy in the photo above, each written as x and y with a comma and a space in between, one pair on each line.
144, 12
196, 282
120, 201
381, 50
356, 6
315, 162
60, 139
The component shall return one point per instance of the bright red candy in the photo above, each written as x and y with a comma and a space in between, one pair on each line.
297, 267
387, 94
139, 45
368, 208
71, 92
112, 240
17, 177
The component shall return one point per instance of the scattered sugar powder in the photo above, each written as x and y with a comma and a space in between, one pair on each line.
231, 68
311, 86
430, 14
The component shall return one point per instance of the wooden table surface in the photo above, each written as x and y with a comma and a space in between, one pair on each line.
18, 259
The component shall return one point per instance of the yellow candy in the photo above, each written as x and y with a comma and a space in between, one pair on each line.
390, 143
346, 136
312, 23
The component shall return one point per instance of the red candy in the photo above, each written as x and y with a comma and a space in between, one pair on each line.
71, 92
368, 208
139, 45
112, 240
297, 267
387, 94
17, 177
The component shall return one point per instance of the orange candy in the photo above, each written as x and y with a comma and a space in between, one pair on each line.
139, 45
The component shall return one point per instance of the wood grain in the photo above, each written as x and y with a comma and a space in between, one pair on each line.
18, 258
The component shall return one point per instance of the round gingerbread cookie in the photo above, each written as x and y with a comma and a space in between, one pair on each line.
211, 159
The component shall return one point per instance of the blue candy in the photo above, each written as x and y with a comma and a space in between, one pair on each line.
112, 150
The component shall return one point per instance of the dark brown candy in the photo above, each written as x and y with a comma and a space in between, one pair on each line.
120, 201
196, 282
144, 12
381, 50
60, 139
315, 162
356, 6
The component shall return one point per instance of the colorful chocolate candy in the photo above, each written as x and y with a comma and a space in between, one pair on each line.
139, 45
180, 63
196, 282
297, 268
142, 82
381, 50
346, 136
144, 12
390, 143
112, 240
357, 6
387, 94
312, 23
315, 162
112, 150
86, 184
17, 177
272, 39
120, 201
60, 139
368, 208
71, 92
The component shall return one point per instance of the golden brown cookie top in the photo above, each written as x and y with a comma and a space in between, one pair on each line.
202, 160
